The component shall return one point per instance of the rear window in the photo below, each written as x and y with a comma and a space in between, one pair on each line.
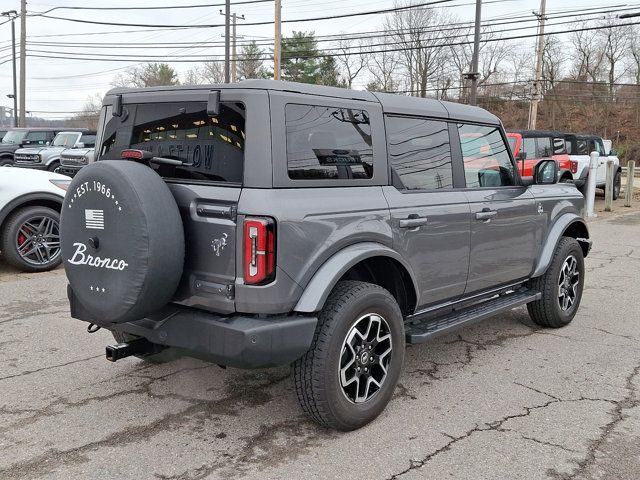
328, 143
211, 147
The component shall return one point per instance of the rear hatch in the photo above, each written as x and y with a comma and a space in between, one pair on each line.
206, 186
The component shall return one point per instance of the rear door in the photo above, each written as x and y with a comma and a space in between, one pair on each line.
429, 215
503, 213
206, 188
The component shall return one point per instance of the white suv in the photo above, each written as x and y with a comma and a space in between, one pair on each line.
579, 147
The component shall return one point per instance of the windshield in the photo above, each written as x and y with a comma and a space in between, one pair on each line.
66, 140
14, 136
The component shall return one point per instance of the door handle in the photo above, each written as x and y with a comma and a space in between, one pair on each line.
486, 214
413, 222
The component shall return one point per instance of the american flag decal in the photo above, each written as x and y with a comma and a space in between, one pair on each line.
94, 219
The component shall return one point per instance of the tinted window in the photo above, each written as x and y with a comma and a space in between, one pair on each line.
212, 147
558, 146
529, 147
328, 143
581, 147
88, 140
37, 137
486, 157
420, 153
544, 147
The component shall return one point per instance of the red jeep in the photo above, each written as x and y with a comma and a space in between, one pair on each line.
531, 146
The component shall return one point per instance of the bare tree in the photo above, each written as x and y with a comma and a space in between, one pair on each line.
588, 55
420, 35
613, 41
353, 58
88, 116
147, 75
383, 67
634, 54
211, 71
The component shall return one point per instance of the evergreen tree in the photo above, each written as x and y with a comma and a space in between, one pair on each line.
250, 63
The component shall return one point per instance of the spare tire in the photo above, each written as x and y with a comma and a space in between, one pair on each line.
122, 240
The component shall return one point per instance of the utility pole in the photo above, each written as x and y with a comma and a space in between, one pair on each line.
23, 61
230, 64
227, 20
537, 93
474, 75
12, 14
234, 55
277, 47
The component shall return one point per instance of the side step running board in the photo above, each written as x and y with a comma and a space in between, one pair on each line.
419, 331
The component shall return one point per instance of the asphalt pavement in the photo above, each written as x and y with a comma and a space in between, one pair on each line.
502, 399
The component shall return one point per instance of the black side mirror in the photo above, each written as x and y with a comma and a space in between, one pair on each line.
213, 103
546, 172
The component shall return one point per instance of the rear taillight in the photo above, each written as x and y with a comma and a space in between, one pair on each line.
259, 244
574, 167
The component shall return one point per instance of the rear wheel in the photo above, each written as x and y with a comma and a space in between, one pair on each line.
30, 240
617, 185
349, 374
561, 286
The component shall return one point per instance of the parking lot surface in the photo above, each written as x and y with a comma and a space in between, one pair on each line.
502, 399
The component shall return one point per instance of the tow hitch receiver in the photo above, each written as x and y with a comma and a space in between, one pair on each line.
139, 346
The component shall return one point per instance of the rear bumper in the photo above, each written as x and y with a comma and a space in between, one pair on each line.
236, 341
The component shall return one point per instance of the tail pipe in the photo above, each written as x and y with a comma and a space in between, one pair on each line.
139, 346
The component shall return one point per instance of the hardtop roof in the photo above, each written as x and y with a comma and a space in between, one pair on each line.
391, 103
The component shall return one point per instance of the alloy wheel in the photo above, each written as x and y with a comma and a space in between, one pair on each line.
365, 358
568, 282
38, 240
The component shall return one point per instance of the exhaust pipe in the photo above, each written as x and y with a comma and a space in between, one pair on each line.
139, 346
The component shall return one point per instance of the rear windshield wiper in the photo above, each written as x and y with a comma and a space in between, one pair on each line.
144, 155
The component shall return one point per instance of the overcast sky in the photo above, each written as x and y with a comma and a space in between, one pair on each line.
56, 85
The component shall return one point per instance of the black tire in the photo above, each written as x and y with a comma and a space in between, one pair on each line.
548, 311
617, 185
27, 248
316, 374
5, 161
53, 165
122, 240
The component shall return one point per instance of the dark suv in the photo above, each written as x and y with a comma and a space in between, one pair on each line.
24, 137
267, 223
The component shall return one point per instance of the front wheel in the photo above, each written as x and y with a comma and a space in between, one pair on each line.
561, 286
53, 165
350, 372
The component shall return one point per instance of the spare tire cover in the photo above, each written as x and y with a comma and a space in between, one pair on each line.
122, 240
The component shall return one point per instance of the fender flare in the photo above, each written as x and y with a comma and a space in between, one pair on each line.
54, 158
319, 287
556, 232
29, 198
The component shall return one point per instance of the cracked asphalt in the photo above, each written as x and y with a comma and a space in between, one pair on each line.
502, 399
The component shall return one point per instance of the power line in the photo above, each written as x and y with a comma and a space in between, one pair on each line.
169, 7
298, 20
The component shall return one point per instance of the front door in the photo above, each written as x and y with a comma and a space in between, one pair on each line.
503, 212
429, 217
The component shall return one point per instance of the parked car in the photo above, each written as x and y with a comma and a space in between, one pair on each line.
531, 146
48, 157
30, 204
73, 159
580, 147
267, 223
22, 137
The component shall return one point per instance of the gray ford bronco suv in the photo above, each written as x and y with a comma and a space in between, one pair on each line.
267, 223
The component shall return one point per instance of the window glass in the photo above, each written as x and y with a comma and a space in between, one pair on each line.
66, 140
88, 140
39, 138
420, 152
558, 146
567, 144
13, 136
529, 147
211, 147
512, 144
581, 147
544, 149
486, 158
328, 143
